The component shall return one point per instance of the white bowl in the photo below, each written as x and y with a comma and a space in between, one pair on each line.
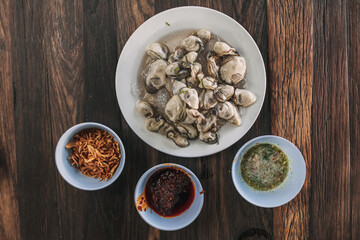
70, 173
283, 193
170, 223
155, 29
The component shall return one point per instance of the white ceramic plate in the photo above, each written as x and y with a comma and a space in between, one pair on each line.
183, 18
283, 193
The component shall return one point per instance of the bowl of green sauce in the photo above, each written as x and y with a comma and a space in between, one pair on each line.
268, 171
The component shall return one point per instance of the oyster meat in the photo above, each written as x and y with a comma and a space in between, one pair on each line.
191, 90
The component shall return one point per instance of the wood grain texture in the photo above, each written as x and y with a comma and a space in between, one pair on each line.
330, 148
353, 51
291, 77
36, 186
64, 53
9, 213
58, 62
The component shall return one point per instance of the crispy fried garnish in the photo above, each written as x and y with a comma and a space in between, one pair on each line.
95, 153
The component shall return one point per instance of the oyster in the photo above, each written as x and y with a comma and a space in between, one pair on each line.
208, 137
213, 64
175, 109
180, 140
175, 70
225, 110
233, 70
208, 83
244, 97
193, 116
177, 55
236, 119
204, 34
183, 103
145, 109
154, 124
196, 69
207, 99
189, 59
192, 44
157, 50
224, 92
209, 123
221, 49
190, 97
155, 78
187, 130
169, 131
177, 86
192, 82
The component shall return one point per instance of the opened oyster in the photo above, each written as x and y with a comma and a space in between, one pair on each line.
191, 90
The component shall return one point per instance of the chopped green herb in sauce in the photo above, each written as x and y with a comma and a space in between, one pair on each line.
167, 24
264, 166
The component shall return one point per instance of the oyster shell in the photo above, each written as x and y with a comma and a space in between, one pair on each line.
157, 50
244, 97
192, 44
233, 70
156, 78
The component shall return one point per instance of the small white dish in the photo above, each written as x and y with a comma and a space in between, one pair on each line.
283, 193
70, 173
170, 223
155, 29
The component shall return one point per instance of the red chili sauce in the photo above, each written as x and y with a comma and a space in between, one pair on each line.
169, 191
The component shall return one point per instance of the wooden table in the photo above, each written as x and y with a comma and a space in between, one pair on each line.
58, 61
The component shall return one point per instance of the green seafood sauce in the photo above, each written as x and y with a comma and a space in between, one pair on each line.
264, 166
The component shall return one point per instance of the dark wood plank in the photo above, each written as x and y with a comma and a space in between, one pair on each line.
36, 169
9, 212
64, 53
290, 58
140, 157
353, 18
252, 15
38, 209
330, 195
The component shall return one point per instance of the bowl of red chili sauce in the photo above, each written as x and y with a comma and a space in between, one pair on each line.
169, 196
